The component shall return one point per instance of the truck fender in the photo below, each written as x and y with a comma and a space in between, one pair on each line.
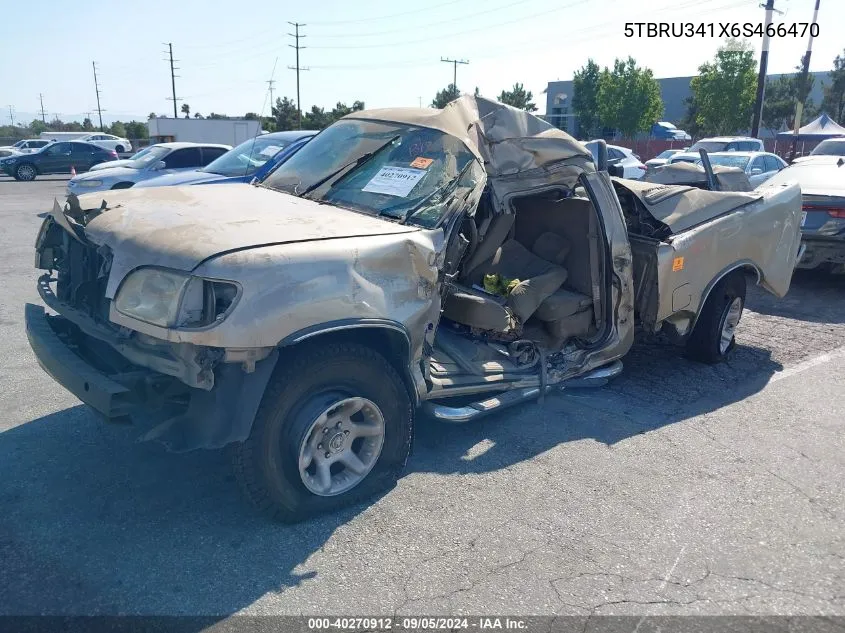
742, 265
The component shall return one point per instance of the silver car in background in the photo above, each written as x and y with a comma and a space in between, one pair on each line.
822, 180
758, 166
163, 158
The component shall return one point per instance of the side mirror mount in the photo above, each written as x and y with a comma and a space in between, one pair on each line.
160, 165
756, 170
616, 170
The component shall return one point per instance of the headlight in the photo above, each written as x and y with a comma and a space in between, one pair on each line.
87, 183
170, 298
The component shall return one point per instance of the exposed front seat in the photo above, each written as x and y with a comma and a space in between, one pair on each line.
539, 291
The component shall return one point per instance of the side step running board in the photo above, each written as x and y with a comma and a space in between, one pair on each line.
459, 415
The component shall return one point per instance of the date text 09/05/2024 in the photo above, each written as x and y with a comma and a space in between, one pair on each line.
719, 29
422, 623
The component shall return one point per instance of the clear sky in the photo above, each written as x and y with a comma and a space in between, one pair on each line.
383, 52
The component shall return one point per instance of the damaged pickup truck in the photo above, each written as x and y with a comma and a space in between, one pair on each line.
457, 260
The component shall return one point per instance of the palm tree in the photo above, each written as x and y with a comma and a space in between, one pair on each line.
186, 110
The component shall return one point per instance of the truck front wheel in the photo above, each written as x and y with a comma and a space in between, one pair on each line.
334, 427
712, 338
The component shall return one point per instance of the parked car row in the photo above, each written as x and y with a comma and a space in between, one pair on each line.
56, 158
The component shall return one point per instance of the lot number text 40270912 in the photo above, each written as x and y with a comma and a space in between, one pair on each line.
719, 29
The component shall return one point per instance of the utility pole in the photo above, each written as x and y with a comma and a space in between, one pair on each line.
297, 68
43, 114
802, 85
173, 76
97, 90
761, 77
454, 63
11, 116
270, 82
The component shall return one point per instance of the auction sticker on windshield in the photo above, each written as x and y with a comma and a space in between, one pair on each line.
394, 181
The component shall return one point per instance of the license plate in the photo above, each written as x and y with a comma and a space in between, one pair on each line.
803, 218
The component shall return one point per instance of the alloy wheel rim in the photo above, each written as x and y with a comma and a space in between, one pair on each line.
729, 324
25, 172
341, 446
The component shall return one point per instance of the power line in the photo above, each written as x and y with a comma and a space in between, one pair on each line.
424, 9
297, 68
454, 63
173, 76
97, 91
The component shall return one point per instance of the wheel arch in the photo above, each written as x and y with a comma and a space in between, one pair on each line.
389, 338
740, 267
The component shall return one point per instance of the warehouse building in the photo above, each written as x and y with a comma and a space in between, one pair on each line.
674, 91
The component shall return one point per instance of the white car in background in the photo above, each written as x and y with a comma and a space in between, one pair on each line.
719, 144
163, 158
634, 168
662, 158
109, 141
26, 146
123, 162
758, 166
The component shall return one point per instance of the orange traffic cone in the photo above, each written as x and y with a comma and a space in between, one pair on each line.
72, 171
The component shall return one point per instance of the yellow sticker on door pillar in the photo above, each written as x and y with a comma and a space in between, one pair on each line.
677, 264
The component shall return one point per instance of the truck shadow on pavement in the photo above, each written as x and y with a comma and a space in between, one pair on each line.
814, 296
94, 523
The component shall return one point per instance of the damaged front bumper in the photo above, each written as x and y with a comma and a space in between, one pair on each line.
70, 348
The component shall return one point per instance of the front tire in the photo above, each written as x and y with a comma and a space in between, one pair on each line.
334, 428
712, 339
119, 149
25, 172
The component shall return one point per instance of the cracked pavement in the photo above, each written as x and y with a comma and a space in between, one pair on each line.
678, 489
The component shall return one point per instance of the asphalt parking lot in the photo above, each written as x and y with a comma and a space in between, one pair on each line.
677, 489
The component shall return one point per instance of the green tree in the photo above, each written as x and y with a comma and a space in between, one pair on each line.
214, 115
585, 88
136, 129
518, 97
37, 126
316, 119
118, 129
87, 125
834, 93
151, 115
628, 99
284, 114
197, 115
725, 90
251, 116
445, 96
186, 110
781, 96
689, 123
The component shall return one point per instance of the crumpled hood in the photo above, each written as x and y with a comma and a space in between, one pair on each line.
180, 227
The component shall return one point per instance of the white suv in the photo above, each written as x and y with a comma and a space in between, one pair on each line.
109, 141
719, 144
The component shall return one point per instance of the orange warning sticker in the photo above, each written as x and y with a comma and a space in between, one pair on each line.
677, 264
421, 163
